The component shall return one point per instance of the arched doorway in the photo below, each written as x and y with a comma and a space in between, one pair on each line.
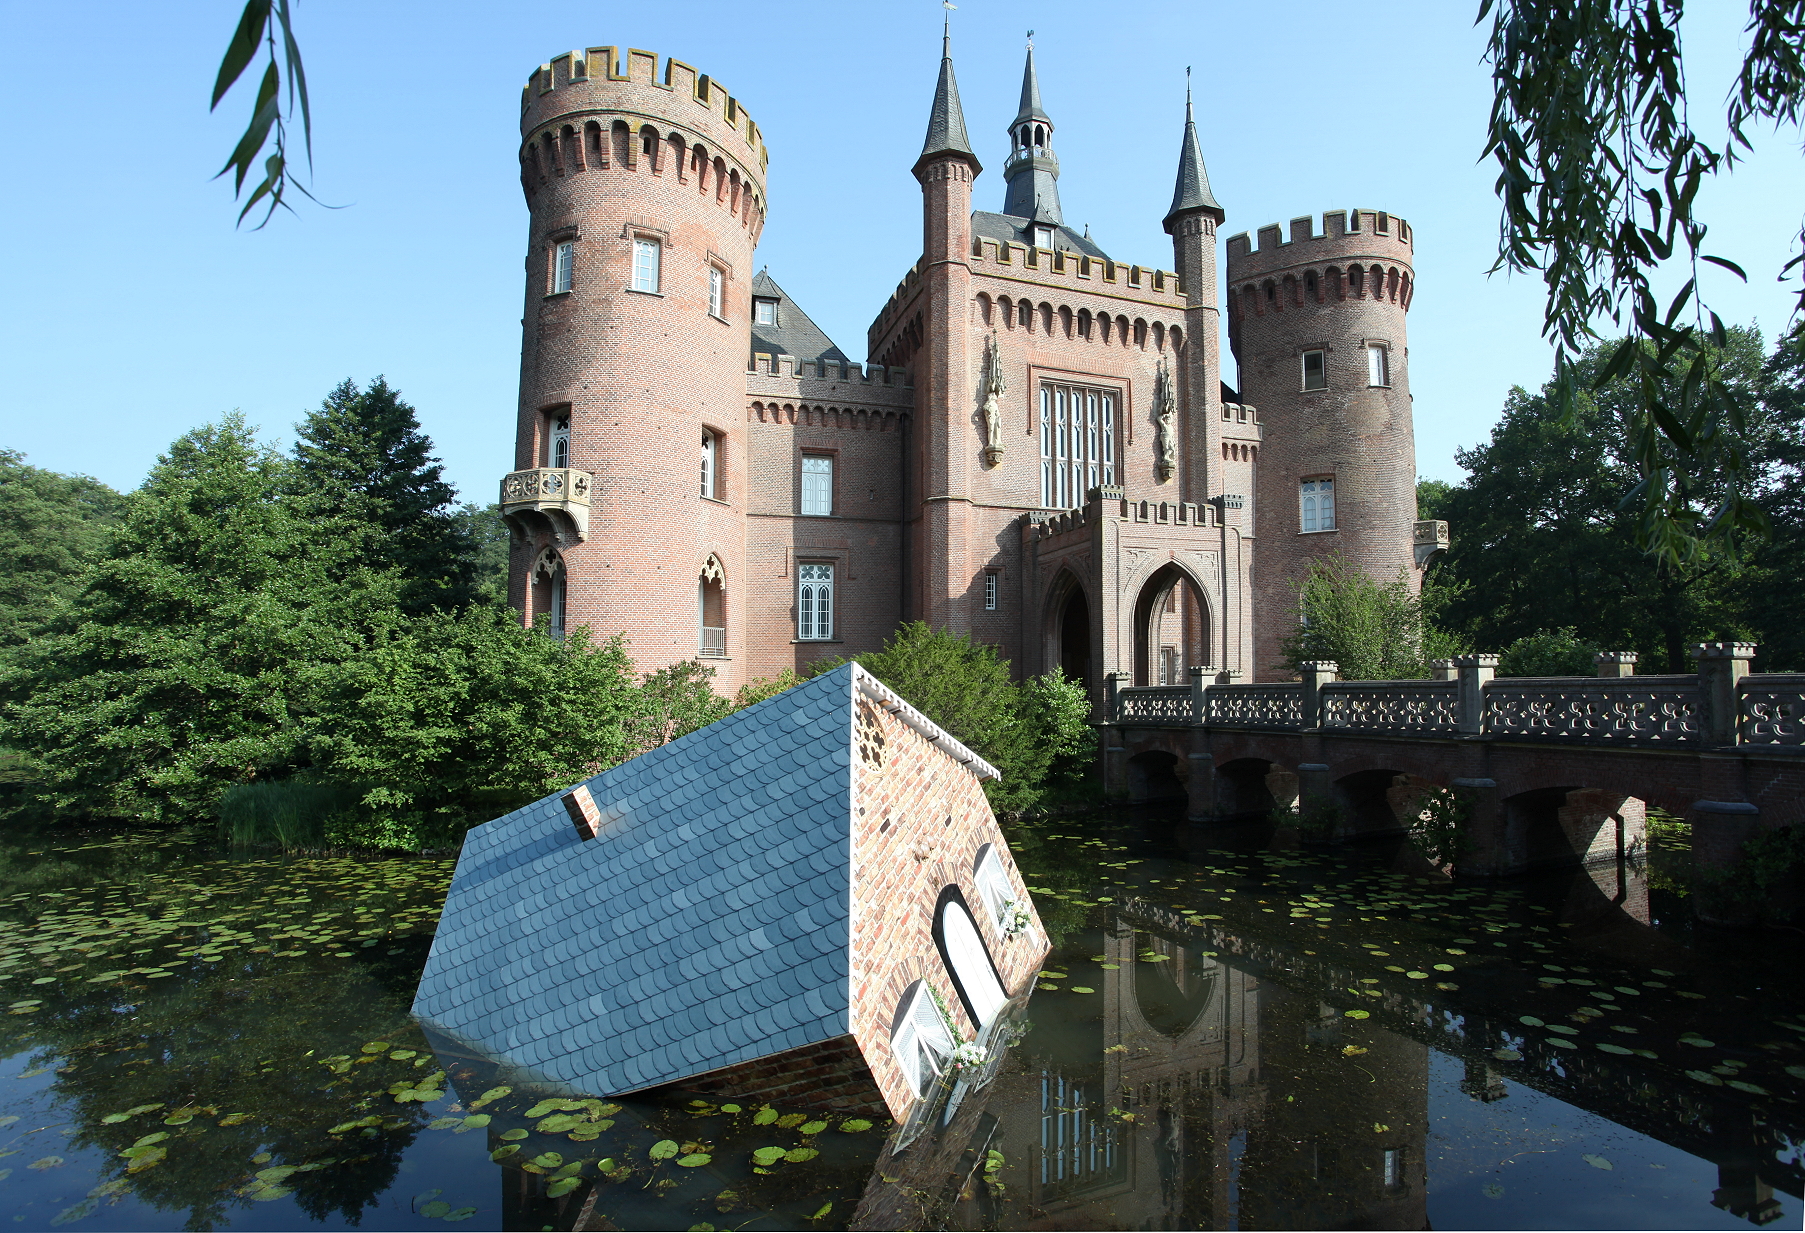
711, 610
1171, 628
1075, 637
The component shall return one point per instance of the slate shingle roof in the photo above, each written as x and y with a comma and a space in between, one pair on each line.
707, 923
794, 333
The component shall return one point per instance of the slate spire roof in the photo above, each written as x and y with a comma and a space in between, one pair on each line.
1031, 108
946, 121
1192, 192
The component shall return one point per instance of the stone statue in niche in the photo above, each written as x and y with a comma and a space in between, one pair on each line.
1165, 408
994, 389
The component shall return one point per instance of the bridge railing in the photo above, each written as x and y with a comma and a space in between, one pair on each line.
1276, 704
1723, 704
1155, 703
1392, 706
1771, 709
1646, 710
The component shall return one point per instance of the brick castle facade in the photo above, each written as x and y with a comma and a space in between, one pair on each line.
1041, 451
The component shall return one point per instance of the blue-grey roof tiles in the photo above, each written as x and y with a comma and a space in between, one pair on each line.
706, 925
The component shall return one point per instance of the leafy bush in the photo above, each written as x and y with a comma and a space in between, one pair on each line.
1026, 731
1559, 652
1437, 823
1372, 631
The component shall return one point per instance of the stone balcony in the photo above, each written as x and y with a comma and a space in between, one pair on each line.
557, 495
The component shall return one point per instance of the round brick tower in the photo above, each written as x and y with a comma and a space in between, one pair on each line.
1316, 323
627, 501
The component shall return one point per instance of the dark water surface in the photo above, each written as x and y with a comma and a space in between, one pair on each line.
1227, 1035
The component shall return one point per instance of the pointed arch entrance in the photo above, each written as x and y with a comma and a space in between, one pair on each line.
1067, 629
1171, 628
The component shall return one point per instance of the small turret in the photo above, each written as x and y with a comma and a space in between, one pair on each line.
1192, 191
1032, 171
946, 119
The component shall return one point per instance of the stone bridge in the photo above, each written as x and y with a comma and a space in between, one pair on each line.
1551, 770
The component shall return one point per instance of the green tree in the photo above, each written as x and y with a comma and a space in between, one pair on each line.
1542, 537
1372, 631
1432, 498
1557, 652
672, 702
490, 542
1767, 592
179, 668
964, 687
52, 527
1599, 170
361, 458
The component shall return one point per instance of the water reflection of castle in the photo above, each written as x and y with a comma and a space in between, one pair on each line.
1197, 1096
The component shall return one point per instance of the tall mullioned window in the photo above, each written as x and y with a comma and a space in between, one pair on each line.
557, 451
717, 292
990, 591
814, 602
1316, 504
817, 485
1077, 443
1316, 372
648, 259
564, 260
557, 605
711, 447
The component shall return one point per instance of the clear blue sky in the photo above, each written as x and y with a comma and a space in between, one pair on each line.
131, 310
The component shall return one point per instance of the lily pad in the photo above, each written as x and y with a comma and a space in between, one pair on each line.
1705, 1076
503, 1152
1530, 1021
1563, 1030
811, 1128
438, 1209
796, 1155
513, 1136
1698, 1042
47, 1162
694, 1160
664, 1149
1752, 1088
765, 1116
1357, 1014
1607, 1047
476, 1121
1561, 1041
1082, 989
767, 1155
1443, 967
562, 1187
1507, 1055
1597, 1162
854, 1125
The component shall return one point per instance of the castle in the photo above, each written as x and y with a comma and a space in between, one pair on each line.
1040, 452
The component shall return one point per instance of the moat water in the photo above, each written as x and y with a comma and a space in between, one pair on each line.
1230, 1033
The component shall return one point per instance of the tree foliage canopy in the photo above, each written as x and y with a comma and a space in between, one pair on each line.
51, 528
1599, 169
1372, 631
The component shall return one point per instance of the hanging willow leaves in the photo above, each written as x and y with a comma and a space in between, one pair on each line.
1599, 170
259, 27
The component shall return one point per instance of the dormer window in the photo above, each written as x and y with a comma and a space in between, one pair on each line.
764, 312
1043, 237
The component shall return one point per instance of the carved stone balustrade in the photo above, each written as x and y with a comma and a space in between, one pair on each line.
1277, 705
1391, 706
1169, 704
1646, 710
1771, 709
560, 495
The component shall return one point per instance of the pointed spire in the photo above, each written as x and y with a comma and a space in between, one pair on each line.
946, 122
1192, 192
1031, 108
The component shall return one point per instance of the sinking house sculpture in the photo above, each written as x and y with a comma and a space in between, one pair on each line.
809, 902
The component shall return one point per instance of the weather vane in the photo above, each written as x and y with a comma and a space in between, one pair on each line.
1030, 40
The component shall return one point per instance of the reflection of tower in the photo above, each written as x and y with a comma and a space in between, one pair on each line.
1317, 327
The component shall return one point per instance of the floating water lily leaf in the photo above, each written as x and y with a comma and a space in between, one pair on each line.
796, 1155
811, 1128
277, 1174
142, 1159
1687, 993
268, 1194
1446, 986
1417, 975
1698, 1042
1563, 1030
476, 1121
401, 1055
493, 1094
444, 1123
562, 1187
1046, 984
557, 1123
569, 1170
375, 1046
1705, 1076
664, 1149
502, 1153
47, 1162
694, 1160
854, 1125
1443, 967
549, 1160
1608, 1047
1597, 1162
767, 1155
1562, 1041
1507, 1055
436, 1210
765, 1116
730, 1108
1797, 1072
1082, 989
792, 1119
236, 1119
1357, 1014
1352, 1051
426, 1196
154, 1137
1753, 1088
181, 1117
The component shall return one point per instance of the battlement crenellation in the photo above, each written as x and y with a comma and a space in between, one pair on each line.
1344, 234
597, 70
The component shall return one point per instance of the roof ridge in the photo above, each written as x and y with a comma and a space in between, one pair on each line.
895, 703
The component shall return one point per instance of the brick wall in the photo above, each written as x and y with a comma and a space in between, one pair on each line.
1289, 296
919, 820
